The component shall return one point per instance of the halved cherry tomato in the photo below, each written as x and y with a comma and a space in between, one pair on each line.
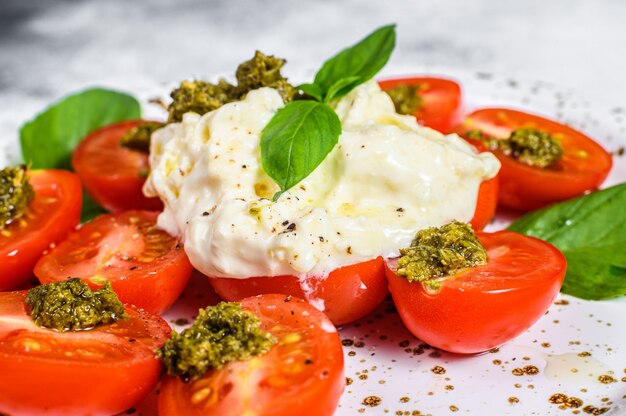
443, 105
486, 204
50, 217
112, 174
483, 307
583, 167
345, 295
147, 267
102, 371
302, 374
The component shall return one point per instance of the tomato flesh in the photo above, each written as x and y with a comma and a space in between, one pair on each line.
345, 295
485, 306
146, 266
50, 217
112, 174
442, 102
302, 374
583, 167
102, 371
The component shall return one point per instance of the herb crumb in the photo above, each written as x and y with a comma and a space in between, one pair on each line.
438, 369
372, 401
606, 379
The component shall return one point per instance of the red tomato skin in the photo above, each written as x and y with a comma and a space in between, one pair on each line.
153, 288
443, 102
114, 182
348, 293
526, 188
18, 256
47, 390
486, 204
487, 200
487, 306
317, 397
36, 385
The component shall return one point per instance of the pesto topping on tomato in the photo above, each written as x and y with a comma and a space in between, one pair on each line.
201, 97
220, 334
438, 252
71, 305
406, 98
16, 193
533, 147
138, 138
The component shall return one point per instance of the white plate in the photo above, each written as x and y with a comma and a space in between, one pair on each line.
384, 360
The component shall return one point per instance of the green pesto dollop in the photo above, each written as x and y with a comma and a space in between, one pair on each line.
406, 98
438, 252
70, 305
263, 71
16, 193
533, 147
138, 138
220, 334
201, 97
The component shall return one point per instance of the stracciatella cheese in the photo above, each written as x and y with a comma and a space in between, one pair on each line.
387, 178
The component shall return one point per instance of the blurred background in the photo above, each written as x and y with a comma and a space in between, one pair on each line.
51, 48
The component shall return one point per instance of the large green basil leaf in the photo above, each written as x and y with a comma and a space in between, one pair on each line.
591, 233
296, 141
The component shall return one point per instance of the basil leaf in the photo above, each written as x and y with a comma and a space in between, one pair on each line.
591, 233
341, 88
296, 141
362, 60
312, 90
49, 139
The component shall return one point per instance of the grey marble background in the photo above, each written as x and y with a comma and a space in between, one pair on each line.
49, 48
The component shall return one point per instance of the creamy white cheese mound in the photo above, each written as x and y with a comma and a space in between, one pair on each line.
387, 178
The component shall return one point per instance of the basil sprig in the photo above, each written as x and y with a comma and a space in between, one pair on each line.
357, 64
591, 233
301, 134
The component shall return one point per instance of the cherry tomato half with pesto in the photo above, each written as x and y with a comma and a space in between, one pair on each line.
483, 307
583, 167
112, 174
102, 371
302, 374
345, 295
49, 218
442, 104
146, 266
